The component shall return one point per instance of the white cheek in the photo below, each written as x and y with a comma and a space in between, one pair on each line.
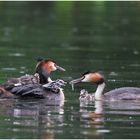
86, 79
53, 68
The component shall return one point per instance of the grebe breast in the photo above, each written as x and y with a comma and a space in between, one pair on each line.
124, 93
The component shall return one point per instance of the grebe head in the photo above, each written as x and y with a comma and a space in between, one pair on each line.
93, 77
45, 67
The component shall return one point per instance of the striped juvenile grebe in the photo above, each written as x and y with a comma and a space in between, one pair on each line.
124, 93
37, 85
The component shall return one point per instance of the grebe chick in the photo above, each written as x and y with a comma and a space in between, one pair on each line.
85, 96
41, 77
124, 93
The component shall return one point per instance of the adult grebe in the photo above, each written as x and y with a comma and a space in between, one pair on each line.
124, 93
37, 85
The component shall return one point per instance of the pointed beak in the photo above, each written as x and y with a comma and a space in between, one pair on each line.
59, 68
75, 81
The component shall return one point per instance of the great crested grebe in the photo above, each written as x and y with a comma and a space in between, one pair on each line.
37, 85
124, 93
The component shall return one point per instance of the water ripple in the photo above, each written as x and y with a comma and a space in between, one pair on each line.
16, 54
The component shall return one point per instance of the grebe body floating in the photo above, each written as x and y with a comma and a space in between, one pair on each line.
124, 93
38, 85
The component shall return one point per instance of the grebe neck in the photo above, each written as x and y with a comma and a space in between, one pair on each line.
44, 77
49, 80
99, 91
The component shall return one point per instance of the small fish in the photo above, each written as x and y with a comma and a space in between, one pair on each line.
72, 86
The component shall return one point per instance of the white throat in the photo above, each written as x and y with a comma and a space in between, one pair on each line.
49, 80
99, 92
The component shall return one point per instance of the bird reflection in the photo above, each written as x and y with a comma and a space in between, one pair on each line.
93, 119
33, 116
95, 115
126, 107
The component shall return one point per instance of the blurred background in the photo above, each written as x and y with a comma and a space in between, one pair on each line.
79, 36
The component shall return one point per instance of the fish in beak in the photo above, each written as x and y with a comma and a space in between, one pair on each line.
75, 81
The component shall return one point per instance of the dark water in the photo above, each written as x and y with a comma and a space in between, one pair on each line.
80, 36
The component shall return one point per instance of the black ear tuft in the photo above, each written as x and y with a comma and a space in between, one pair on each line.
39, 59
100, 81
86, 73
46, 60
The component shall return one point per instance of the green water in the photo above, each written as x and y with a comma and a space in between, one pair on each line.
80, 36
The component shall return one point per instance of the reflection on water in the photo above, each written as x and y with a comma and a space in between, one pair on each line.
93, 120
30, 117
36, 119
108, 116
